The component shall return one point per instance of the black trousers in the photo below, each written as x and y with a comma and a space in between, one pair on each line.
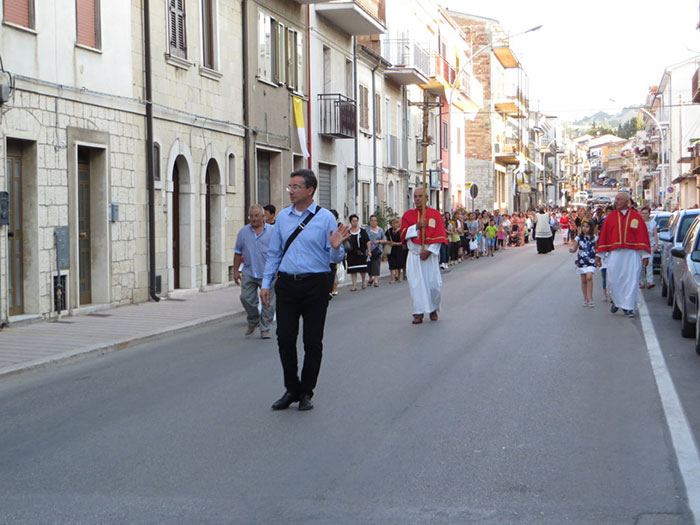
306, 298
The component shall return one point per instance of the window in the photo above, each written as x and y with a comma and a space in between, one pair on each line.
20, 12
280, 53
231, 169
364, 107
377, 113
156, 161
178, 40
349, 84
326, 69
443, 139
209, 34
88, 23
264, 46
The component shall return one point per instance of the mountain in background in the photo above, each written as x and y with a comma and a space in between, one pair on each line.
601, 118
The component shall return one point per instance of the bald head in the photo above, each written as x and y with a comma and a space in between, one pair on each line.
622, 200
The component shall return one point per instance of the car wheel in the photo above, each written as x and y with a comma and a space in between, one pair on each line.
676, 313
687, 328
664, 288
671, 292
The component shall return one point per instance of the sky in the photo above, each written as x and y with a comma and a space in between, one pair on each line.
593, 55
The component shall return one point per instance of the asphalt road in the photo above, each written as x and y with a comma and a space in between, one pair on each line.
518, 406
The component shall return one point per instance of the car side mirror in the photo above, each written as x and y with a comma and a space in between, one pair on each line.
695, 256
665, 236
678, 252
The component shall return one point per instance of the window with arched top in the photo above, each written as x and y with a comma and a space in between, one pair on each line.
231, 169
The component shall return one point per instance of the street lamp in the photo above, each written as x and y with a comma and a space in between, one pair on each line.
469, 61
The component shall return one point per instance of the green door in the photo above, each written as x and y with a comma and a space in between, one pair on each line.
16, 286
84, 255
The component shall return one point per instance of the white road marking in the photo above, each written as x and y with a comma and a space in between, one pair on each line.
683, 443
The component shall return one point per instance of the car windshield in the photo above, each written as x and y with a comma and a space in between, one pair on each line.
662, 223
685, 224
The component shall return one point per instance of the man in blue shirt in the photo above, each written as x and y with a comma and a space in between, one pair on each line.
303, 285
252, 244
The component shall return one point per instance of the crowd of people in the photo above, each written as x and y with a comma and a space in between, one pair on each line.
290, 266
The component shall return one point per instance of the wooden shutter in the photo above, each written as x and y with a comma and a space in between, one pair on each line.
87, 22
20, 12
178, 42
208, 33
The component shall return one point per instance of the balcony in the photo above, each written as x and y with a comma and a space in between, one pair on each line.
338, 116
505, 56
355, 17
442, 76
695, 85
410, 62
507, 153
513, 105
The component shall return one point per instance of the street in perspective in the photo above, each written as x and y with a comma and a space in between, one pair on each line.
349, 261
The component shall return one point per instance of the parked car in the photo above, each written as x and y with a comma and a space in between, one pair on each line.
678, 226
661, 218
686, 281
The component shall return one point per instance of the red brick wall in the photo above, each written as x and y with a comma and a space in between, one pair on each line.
477, 134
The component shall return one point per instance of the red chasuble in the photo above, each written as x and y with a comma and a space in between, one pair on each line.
624, 231
434, 231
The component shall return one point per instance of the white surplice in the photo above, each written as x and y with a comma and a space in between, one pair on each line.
424, 279
623, 267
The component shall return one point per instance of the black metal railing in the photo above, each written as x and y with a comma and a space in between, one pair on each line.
338, 116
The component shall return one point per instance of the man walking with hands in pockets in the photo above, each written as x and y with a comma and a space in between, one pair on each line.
305, 241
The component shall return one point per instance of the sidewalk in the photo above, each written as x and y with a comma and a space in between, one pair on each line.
39, 344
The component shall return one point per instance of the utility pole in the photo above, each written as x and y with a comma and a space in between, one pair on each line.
426, 105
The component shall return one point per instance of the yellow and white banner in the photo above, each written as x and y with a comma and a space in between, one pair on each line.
299, 123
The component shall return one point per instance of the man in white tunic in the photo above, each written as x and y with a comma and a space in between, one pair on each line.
423, 233
625, 238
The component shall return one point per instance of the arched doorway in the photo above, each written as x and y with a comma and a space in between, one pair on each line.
213, 229
182, 226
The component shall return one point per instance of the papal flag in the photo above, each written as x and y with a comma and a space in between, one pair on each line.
299, 123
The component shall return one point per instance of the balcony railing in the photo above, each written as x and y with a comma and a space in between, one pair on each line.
406, 53
442, 68
338, 116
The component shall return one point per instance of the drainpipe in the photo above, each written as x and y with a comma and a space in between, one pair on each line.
308, 83
374, 136
246, 112
149, 152
357, 121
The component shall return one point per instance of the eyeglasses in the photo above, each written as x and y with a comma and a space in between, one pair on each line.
295, 187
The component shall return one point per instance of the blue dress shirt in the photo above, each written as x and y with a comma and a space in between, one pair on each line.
253, 247
310, 252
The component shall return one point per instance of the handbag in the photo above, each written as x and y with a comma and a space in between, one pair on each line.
387, 249
473, 245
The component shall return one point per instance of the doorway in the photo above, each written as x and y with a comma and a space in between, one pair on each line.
176, 226
15, 237
84, 229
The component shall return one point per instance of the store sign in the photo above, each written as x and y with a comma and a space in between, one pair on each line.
524, 188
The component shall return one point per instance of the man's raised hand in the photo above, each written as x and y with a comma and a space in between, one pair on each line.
339, 236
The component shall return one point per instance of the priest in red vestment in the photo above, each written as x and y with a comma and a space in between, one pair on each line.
624, 240
423, 262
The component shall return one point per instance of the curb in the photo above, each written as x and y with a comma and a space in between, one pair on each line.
104, 348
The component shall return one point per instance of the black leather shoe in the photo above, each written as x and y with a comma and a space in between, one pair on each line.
285, 401
305, 402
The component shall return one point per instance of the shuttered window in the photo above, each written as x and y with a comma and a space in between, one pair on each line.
20, 12
88, 22
364, 107
178, 40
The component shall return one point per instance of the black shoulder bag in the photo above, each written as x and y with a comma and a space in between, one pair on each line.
296, 232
